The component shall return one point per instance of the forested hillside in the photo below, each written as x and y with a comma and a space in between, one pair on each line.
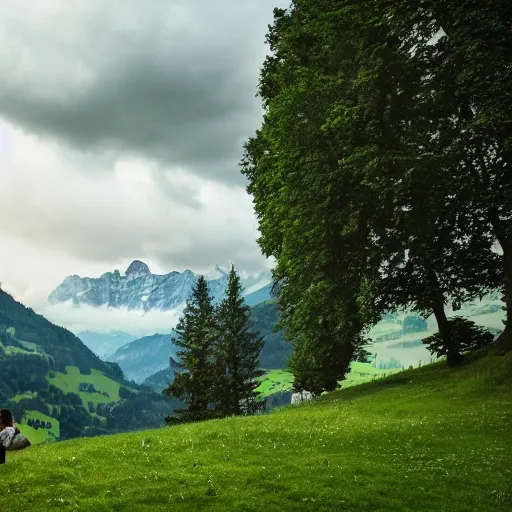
276, 351
49, 377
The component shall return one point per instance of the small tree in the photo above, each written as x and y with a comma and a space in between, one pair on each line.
414, 324
465, 336
237, 348
361, 355
194, 335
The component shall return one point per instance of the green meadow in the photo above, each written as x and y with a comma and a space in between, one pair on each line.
428, 439
69, 381
40, 435
275, 381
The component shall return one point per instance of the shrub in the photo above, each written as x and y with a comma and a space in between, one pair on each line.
465, 335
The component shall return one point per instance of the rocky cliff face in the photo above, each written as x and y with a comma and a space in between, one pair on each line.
139, 289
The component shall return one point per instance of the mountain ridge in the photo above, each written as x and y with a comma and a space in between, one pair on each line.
139, 289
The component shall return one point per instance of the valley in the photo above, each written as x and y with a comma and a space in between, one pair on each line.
49, 376
396, 344
431, 438
256, 256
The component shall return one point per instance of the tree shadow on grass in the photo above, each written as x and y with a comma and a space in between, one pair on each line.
368, 388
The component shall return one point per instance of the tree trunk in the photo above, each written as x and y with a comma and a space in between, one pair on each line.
505, 338
453, 355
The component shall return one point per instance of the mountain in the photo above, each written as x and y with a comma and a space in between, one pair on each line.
276, 351
145, 356
139, 289
58, 388
259, 296
160, 380
105, 344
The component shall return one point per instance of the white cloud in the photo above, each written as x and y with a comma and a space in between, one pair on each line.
103, 319
58, 220
121, 128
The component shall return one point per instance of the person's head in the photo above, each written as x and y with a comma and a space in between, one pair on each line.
5, 418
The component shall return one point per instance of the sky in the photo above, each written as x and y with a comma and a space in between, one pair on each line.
121, 127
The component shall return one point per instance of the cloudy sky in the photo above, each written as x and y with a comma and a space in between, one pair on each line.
121, 127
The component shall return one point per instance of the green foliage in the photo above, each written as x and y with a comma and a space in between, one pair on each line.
422, 440
367, 173
466, 337
413, 324
219, 355
361, 355
236, 351
194, 335
301, 177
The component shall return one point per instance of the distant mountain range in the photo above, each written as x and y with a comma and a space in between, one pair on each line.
105, 344
139, 289
145, 356
161, 380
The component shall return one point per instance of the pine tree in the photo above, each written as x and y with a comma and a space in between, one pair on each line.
237, 348
194, 336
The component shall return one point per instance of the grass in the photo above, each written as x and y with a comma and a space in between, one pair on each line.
363, 372
23, 396
40, 435
68, 382
429, 439
275, 381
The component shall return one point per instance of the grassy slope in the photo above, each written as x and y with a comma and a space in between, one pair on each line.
275, 381
68, 382
429, 439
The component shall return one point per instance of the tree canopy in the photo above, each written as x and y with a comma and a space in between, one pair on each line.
378, 177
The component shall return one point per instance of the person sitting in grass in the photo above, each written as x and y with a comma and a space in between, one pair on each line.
10, 436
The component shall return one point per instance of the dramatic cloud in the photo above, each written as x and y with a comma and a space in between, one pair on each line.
174, 81
121, 129
170, 219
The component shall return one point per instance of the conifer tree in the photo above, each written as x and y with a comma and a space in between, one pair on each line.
194, 336
237, 348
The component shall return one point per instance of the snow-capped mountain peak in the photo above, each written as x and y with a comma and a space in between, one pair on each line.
137, 269
139, 289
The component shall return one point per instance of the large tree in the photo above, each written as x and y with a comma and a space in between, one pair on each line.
467, 45
194, 331
306, 193
237, 349
355, 183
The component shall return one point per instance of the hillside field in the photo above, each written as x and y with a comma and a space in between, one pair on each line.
40, 435
275, 381
428, 439
68, 382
